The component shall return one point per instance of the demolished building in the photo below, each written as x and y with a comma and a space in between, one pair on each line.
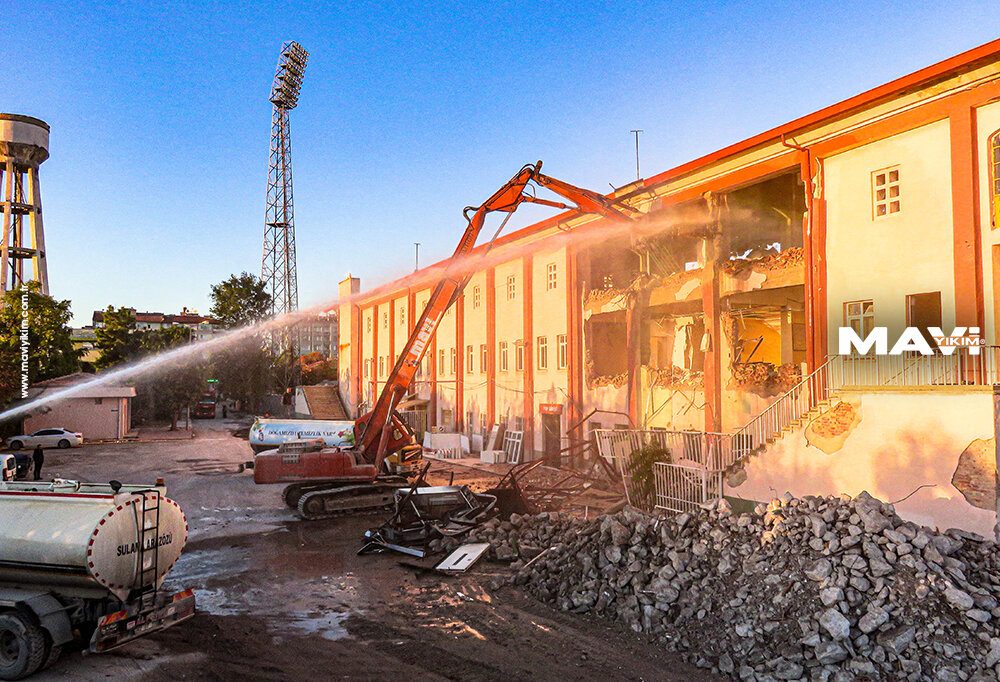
716, 316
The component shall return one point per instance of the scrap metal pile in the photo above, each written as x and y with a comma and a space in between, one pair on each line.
819, 588
425, 514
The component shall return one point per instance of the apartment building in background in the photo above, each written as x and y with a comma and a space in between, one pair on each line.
718, 316
201, 327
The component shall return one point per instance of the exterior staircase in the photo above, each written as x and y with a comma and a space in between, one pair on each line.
324, 402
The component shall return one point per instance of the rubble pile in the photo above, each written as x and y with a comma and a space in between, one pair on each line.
815, 588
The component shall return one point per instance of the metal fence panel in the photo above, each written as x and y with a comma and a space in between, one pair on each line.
684, 488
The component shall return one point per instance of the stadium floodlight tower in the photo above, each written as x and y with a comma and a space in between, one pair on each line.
278, 267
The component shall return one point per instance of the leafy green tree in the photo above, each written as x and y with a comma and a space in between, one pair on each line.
314, 368
245, 370
163, 393
49, 343
241, 300
118, 340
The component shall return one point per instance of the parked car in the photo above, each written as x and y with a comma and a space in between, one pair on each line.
47, 438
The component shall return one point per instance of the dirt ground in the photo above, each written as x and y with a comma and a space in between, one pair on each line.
280, 598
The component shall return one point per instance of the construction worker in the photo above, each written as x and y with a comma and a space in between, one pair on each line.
38, 457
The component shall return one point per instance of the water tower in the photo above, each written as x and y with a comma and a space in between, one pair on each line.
24, 144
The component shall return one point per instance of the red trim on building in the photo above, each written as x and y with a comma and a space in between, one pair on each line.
528, 334
969, 305
713, 355
491, 346
460, 364
574, 381
961, 62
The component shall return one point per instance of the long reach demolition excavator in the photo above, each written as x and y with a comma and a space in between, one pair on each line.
325, 481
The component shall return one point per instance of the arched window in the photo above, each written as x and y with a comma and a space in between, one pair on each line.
994, 177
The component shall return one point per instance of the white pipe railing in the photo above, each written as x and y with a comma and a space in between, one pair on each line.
780, 414
713, 453
961, 368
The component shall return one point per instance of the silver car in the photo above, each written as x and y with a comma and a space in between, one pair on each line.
47, 438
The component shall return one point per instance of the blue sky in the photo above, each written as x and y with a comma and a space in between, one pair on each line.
409, 112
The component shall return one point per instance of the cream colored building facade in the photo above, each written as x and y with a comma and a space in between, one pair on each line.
707, 316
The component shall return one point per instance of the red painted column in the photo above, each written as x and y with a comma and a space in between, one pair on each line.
805, 173
357, 358
968, 259
574, 336
713, 356
529, 347
460, 364
491, 346
432, 366
374, 383
392, 333
820, 319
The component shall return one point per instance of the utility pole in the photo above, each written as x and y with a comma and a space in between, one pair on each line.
416, 256
636, 133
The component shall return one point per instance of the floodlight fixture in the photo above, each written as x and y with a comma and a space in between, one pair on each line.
288, 77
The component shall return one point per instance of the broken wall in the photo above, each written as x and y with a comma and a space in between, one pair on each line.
900, 444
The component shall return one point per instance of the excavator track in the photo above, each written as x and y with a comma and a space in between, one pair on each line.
350, 499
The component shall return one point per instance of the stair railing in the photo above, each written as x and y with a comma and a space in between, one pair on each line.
780, 414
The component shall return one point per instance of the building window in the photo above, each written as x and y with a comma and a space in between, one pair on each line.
402, 315
441, 356
519, 423
503, 356
885, 192
369, 323
385, 320
454, 360
381, 365
550, 276
482, 359
470, 421
477, 296
562, 351
543, 352
860, 316
469, 357
519, 356
511, 287
368, 367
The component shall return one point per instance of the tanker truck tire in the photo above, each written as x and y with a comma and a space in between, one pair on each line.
22, 646
52, 653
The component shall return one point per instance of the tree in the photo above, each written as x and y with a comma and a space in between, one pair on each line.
240, 300
118, 340
315, 368
162, 393
245, 370
48, 341
167, 391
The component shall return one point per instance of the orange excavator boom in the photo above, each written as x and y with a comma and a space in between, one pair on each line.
381, 432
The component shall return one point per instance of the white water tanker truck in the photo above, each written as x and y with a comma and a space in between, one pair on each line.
84, 561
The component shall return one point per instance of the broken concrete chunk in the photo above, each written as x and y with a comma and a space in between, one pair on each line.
835, 624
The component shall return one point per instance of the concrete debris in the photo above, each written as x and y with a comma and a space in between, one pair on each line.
817, 589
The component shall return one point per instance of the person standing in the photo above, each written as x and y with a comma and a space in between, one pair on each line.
38, 457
